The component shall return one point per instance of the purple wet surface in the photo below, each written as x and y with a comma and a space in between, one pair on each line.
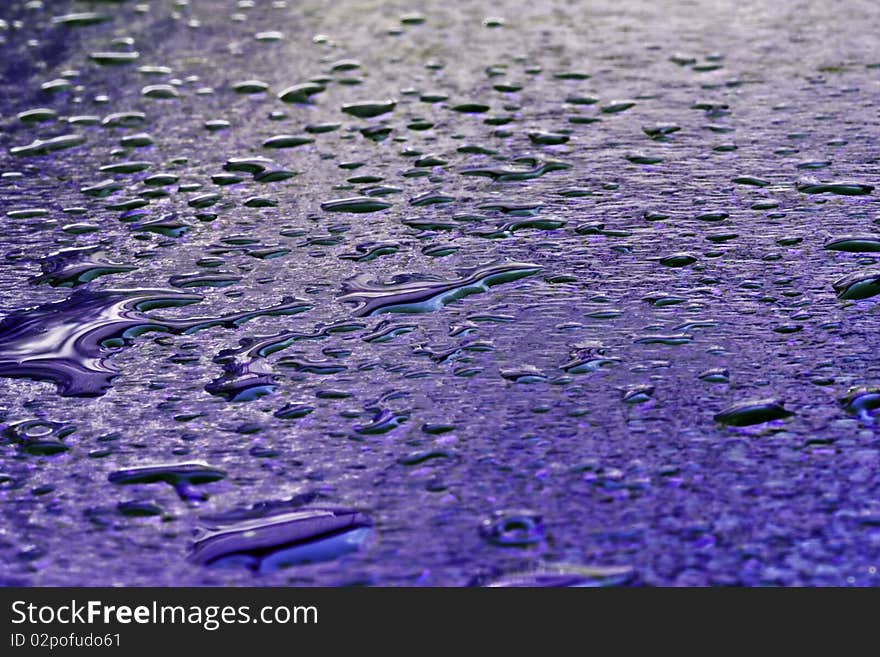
620, 327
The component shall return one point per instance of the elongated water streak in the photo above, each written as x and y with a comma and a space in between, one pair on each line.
415, 295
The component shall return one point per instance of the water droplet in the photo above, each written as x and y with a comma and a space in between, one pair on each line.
369, 108
513, 528
854, 243
746, 413
841, 188
858, 285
